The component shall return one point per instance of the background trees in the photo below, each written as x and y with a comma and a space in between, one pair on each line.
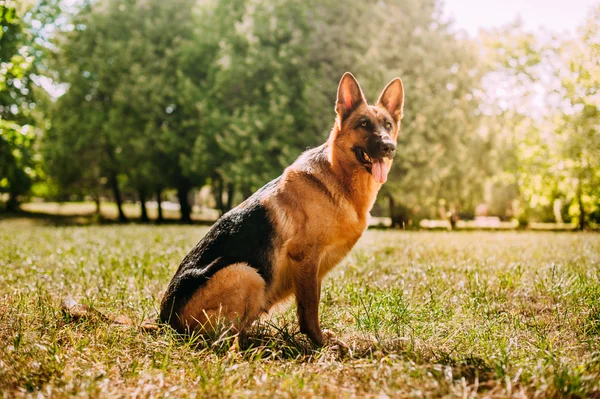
546, 123
18, 161
182, 94
578, 129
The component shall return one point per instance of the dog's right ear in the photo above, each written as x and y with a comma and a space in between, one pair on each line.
349, 96
392, 99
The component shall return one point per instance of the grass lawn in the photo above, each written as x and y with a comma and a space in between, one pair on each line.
418, 315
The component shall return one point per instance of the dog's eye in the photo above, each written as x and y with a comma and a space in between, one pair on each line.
364, 124
388, 125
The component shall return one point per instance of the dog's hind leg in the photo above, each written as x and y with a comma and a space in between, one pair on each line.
235, 295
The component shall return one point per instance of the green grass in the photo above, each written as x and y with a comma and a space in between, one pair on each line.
417, 314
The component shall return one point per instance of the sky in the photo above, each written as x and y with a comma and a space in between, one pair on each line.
556, 15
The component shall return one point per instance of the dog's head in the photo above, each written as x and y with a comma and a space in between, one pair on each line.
366, 134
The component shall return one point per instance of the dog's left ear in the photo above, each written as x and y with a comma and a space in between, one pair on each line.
349, 96
392, 99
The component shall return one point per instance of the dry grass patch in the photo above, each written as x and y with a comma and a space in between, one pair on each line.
414, 314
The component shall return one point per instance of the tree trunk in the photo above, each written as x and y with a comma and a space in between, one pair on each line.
218, 194
114, 183
97, 200
399, 213
557, 208
142, 194
182, 194
230, 194
12, 205
581, 208
159, 206
392, 204
246, 192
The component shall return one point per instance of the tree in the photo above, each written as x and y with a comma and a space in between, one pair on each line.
19, 164
234, 90
78, 133
127, 107
518, 126
274, 75
550, 151
442, 153
579, 129
255, 94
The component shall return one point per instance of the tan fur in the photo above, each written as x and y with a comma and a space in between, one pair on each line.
234, 296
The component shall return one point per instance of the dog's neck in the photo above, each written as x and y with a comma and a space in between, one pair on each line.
359, 185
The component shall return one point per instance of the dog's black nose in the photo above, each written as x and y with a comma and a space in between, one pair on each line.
388, 148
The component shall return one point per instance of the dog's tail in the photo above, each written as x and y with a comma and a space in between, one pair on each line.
79, 311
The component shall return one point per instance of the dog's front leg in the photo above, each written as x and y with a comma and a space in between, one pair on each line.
308, 295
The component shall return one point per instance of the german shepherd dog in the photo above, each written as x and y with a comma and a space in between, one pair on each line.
284, 239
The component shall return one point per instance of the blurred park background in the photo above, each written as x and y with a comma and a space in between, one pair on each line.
178, 110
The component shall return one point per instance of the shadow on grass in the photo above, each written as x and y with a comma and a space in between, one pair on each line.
268, 341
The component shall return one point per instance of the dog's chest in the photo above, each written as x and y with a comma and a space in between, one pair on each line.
333, 255
342, 242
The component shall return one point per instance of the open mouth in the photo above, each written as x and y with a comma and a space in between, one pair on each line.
375, 166
363, 158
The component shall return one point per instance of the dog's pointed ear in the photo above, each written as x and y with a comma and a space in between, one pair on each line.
392, 99
349, 96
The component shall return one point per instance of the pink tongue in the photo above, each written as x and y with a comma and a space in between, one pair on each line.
379, 170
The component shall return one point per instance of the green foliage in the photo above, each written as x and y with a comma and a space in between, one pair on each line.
442, 156
127, 113
255, 92
17, 157
549, 152
233, 91
578, 131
